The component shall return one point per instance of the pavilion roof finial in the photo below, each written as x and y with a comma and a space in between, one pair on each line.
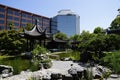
36, 22
118, 13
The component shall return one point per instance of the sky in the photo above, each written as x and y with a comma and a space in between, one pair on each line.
93, 13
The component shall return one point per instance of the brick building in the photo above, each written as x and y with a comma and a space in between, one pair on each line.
20, 18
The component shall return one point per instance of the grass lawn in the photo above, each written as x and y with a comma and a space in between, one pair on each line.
18, 63
74, 55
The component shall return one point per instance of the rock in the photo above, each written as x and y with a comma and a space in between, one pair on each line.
100, 71
114, 76
67, 77
55, 76
75, 70
6, 71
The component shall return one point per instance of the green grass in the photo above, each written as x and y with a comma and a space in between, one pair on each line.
19, 64
3, 57
74, 55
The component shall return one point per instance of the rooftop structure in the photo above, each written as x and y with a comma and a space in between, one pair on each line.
66, 12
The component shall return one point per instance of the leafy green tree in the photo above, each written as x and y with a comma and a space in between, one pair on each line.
75, 37
60, 35
98, 30
115, 24
112, 60
85, 40
28, 26
11, 43
112, 41
11, 25
39, 50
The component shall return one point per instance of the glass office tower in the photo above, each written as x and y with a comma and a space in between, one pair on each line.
68, 22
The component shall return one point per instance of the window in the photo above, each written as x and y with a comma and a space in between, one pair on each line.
23, 25
2, 9
10, 11
1, 27
2, 16
35, 17
16, 13
9, 17
23, 20
16, 24
29, 16
45, 20
16, 19
23, 15
1, 21
29, 21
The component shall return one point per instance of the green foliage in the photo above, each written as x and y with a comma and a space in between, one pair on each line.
61, 36
39, 50
28, 26
11, 25
11, 43
88, 75
18, 63
112, 60
93, 45
74, 55
75, 37
115, 23
98, 30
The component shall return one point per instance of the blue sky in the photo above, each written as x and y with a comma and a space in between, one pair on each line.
93, 13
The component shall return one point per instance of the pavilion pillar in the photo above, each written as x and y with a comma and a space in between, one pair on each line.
27, 45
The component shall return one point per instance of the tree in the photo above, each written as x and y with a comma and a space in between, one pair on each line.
112, 60
11, 25
11, 43
60, 35
28, 26
75, 37
115, 23
98, 30
112, 41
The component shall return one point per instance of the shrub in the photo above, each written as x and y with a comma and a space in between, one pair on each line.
39, 50
112, 60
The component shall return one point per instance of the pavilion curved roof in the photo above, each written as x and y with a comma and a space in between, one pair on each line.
34, 32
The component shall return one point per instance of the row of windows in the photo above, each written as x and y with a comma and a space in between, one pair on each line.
45, 20
16, 13
23, 25
24, 20
12, 18
1, 21
53, 27
26, 15
10, 11
13, 12
45, 24
1, 27
2, 16
16, 24
38, 18
2, 9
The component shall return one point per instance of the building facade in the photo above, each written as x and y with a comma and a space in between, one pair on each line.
68, 22
21, 18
